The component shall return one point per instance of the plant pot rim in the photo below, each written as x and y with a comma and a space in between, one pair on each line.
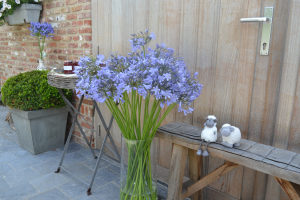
37, 113
30, 6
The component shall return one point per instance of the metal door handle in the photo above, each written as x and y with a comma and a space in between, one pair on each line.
266, 29
255, 19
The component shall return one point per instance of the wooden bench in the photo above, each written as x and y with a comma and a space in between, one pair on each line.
282, 164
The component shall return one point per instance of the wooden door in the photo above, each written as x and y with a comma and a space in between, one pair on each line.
258, 94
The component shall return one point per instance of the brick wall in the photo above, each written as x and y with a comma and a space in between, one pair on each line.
71, 20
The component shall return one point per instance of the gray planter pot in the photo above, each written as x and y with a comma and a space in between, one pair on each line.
25, 14
40, 130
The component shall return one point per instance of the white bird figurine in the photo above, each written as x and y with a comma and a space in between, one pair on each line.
209, 134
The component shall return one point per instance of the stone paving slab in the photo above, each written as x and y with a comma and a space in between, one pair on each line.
24, 176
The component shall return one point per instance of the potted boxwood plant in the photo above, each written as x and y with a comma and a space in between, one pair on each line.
38, 111
17, 12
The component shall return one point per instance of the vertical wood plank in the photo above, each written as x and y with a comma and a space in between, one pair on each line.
226, 75
195, 171
289, 79
265, 91
208, 32
104, 41
170, 36
288, 85
95, 41
187, 48
141, 15
241, 112
179, 155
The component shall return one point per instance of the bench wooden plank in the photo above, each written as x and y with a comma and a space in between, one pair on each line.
291, 190
254, 158
215, 175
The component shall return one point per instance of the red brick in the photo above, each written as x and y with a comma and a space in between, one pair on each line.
48, 6
73, 45
88, 22
78, 52
77, 23
32, 60
88, 37
64, 24
71, 2
52, 44
88, 102
85, 30
62, 57
72, 16
57, 38
59, 4
57, 51
66, 38
62, 45
50, 19
76, 8
36, 55
72, 30
84, 15
87, 7
76, 38
67, 51
53, 57
85, 45
35, 44
62, 31
65, 10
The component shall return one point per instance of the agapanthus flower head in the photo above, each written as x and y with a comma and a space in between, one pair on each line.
141, 39
158, 72
42, 29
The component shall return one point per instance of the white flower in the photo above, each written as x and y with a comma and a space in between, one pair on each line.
0, 14
36, 0
17, 1
8, 6
1, 0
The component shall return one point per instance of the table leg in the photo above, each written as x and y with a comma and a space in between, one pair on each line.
70, 133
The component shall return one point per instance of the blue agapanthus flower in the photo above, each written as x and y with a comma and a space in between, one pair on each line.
42, 29
157, 72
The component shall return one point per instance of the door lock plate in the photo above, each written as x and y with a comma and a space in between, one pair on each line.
266, 32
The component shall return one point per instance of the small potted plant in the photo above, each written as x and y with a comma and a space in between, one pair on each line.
17, 12
38, 111
41, 31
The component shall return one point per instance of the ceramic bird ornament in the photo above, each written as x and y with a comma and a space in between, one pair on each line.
231, 135
209, 134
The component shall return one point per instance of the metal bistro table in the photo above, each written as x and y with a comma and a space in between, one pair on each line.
69, 82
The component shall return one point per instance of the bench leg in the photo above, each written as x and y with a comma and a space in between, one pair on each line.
195, 171
178, 160
292, 190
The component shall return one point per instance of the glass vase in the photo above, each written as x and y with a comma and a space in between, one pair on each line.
138, 170
41, 65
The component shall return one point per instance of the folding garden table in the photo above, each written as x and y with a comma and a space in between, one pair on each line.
68, 82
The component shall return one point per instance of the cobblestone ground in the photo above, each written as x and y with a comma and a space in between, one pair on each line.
26, 176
